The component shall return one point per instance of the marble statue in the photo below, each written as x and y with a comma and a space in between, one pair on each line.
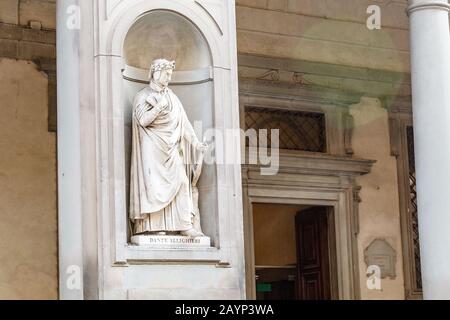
166, 161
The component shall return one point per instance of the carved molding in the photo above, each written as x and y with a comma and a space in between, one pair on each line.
299, 78
190, 77
356, 201
298, 162
349, 124
49, 67
210, 11
400, 111
363, 81
290, 92
401, 105
110, 6
271, 74
430, 5
398, 122
394, 136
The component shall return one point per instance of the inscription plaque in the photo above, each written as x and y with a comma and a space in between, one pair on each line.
170, 241
380, 253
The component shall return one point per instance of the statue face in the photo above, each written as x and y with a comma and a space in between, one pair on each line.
163, 77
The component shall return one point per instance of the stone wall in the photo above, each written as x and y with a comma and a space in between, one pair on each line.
28, 222
379, 207
21, 12
28, 201
327, 31
27, 29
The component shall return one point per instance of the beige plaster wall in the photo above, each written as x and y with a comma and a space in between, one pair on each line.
330, 31
379, 209
23, 11
28, 221
274, 234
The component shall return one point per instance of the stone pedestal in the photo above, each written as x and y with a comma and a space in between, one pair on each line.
171, 242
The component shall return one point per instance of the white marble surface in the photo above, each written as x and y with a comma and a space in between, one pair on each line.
171, 242
163, 194
430, 71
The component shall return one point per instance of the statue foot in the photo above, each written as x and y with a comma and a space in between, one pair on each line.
192, 233
161, 233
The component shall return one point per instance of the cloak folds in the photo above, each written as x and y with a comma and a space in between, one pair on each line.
165, 166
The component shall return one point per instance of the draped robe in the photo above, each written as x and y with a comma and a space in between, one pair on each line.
165, 165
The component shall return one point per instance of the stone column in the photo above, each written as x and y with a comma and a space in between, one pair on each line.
69, 155
430, 71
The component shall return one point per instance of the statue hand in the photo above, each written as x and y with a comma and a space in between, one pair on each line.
151, 100
202, 147
162, 102
157, 101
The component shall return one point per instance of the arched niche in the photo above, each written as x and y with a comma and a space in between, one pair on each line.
169, 35
163, 33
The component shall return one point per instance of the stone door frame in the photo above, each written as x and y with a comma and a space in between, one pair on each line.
316, 180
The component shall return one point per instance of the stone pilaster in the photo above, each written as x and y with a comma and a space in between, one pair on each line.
430, 71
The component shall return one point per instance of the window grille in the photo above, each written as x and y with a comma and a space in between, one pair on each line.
413, 205
298, 130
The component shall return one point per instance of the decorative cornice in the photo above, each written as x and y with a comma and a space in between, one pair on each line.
397, 104
189, 77
302, 73
433, 5
315, 163
313, 95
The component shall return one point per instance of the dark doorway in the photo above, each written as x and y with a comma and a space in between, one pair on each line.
313, 254
305, 272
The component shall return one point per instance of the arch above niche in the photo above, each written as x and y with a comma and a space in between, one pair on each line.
169, 35
124, 14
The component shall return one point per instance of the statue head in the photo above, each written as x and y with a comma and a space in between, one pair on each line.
161, 71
